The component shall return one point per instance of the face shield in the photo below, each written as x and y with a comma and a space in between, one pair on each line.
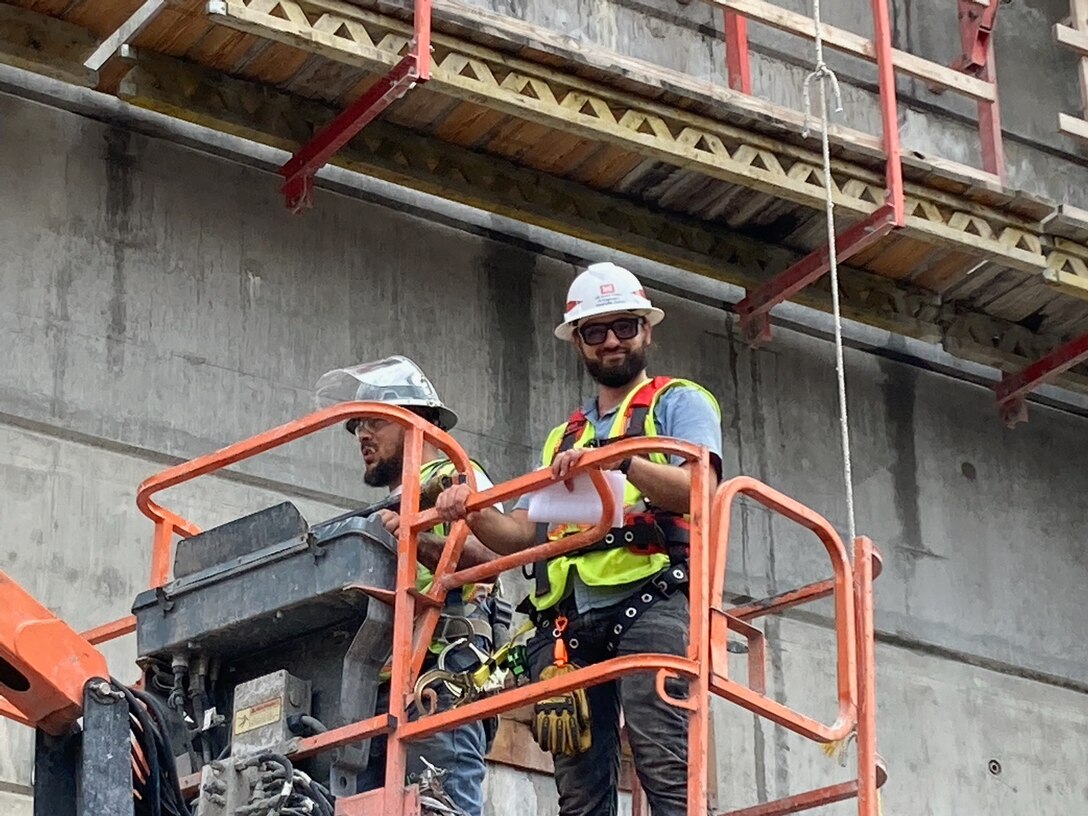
394, 381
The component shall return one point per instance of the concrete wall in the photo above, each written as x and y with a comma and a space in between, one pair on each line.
158, 303
1033, 90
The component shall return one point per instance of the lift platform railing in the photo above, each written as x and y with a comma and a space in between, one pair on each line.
704, 665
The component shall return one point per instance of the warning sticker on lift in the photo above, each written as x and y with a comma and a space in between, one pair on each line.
258, 716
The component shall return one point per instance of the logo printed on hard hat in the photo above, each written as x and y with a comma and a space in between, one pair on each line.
608, 289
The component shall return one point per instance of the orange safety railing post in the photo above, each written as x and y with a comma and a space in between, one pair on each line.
699, 640
866, 736
403, 619
846, 658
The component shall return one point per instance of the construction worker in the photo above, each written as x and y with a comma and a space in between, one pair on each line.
627, 593
466, 622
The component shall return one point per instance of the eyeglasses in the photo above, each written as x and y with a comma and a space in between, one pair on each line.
368, 426
623, 327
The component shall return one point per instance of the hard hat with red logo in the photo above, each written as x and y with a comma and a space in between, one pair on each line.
605, 288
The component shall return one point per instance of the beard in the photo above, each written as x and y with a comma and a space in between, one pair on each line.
617, 374
385, 471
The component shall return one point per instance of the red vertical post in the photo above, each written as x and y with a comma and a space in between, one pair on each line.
989, 121
889, 108
738, 64
976, 21
423, 40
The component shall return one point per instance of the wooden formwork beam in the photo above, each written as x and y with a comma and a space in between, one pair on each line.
561, 100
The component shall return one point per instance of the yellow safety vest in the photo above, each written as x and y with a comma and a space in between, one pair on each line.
619, 566
424, 576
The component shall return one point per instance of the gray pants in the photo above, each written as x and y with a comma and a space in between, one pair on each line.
658, 732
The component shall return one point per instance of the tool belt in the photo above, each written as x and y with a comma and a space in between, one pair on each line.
642, 533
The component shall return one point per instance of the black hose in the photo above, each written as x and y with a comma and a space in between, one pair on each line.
321, 797
281, 760
145, 739
159, 715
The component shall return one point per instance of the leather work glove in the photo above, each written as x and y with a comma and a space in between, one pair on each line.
561, 724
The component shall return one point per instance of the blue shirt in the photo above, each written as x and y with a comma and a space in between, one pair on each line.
682, 412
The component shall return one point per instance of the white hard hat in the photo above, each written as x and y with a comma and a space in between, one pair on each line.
395, 381
604, 288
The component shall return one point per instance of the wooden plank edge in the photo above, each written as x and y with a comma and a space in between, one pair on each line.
1071, 38
1072, 285
1073, 126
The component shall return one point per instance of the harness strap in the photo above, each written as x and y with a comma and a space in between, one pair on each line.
637, 415
575, 425
662, 586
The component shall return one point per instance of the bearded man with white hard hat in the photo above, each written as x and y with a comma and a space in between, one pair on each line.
627, 593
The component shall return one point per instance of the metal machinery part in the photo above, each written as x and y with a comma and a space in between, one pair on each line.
270, 632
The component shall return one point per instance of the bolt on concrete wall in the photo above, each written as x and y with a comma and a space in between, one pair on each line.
156, 303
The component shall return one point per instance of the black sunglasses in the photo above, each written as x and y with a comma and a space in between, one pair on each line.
623, 327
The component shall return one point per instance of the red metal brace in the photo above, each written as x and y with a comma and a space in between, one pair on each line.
977, 19
1013, 388
415, 67
755, 308
976, 27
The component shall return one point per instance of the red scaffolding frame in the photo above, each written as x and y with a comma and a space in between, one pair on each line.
975, 29
1012, 390
414, 68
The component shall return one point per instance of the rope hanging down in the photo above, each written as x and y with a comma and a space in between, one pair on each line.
822, 74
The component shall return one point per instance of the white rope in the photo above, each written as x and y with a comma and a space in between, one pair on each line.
824, 75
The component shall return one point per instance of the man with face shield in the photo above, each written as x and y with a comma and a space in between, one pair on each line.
466, 622
625, 594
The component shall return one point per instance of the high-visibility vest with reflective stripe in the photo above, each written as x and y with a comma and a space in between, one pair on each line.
424, 576
431, 470
619, 566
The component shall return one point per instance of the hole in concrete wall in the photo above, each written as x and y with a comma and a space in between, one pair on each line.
968, 471
12, 677
994, 767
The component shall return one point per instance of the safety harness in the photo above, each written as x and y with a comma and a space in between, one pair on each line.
643, 533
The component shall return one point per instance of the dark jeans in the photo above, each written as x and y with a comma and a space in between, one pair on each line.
657, 731
460, 751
